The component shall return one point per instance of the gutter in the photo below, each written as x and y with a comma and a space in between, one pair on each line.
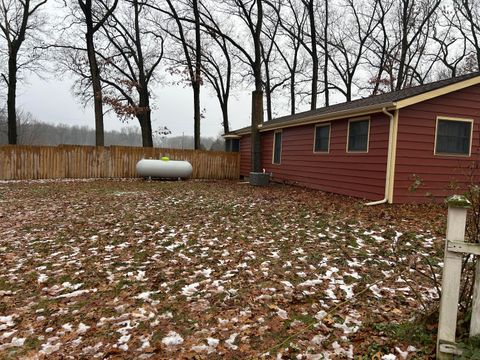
392, 147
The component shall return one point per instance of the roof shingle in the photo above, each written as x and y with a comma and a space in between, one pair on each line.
391, 97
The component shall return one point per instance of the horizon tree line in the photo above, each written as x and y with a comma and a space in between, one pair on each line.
292, 54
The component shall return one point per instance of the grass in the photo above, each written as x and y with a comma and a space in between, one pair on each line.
238, 246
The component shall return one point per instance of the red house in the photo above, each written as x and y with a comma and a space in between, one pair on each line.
405, 146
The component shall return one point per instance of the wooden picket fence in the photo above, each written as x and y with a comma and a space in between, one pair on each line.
19, 162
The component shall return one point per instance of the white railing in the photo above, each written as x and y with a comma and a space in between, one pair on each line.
455, 248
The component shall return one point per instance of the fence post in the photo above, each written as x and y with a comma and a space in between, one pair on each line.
475, 321
452, 268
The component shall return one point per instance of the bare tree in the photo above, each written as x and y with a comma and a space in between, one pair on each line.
350, 40
311, 47
290, 53
19, 23
452, 47
250, 12
217, 66
130, 58
192, 54
380, 49
466, 18
414, 21
89, 15
273, 78
401, 46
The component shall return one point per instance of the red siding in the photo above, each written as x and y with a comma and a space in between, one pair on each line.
415, 147
355, 174
245, 156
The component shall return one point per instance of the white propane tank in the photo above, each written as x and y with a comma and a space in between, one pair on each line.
164, 168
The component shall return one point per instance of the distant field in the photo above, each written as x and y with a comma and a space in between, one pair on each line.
134, 269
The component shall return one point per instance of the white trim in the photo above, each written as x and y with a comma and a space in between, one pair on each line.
448, 118
273, 150
336, 115
348, 135
315, 137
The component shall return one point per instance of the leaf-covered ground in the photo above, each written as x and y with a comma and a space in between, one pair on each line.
134, 269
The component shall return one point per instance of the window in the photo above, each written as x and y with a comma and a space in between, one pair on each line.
277, 147
358, 132
235, 145
453, 137
232, 145
322, 139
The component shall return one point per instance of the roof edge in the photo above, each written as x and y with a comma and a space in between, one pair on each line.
360, 111
330, 116
438, 92
231, 135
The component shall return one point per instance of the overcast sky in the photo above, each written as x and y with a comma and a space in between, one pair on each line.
51, 100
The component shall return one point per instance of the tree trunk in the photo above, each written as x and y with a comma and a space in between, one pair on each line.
257, 95
196, 114
268, 93
348, 94
197, 81
11, 98
313, 37
325, 65
97, 91
257, 119
403, 47
226, 126
146, 126
292, 92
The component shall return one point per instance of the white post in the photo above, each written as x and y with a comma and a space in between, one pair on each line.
452, 268
475, 321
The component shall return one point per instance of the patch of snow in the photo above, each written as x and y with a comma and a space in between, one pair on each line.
124, 339
42, 278
17, 341
172, 339
348, 290
144, 296
75, 293
140, 275
337, 348
67, 327
309, 283
320, 315
212, 342
189, 290
389, 357
82, 328
229, 342
376, 291
202, 348
166, 315
49, 348
318, 339
282, 314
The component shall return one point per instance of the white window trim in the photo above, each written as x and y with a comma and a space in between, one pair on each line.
273, 148
448, 118
315, 137
368, 136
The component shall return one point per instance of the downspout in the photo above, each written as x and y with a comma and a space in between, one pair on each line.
388, 173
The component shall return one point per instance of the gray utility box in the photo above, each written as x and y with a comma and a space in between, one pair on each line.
259, 178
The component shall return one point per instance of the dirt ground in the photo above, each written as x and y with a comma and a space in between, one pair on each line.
207, 270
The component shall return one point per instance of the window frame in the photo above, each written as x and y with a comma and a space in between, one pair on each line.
447, 118
348, 136
315, 137
273, 147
